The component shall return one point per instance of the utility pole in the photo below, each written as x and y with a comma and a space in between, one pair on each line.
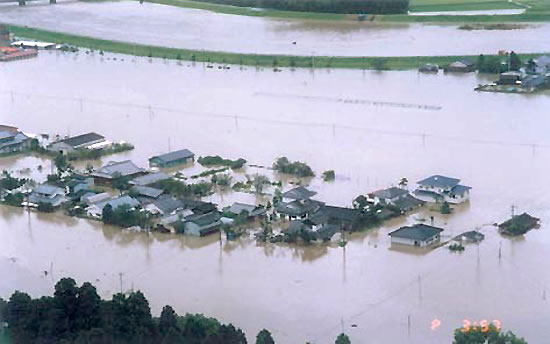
120, 276
500, 251
513, 208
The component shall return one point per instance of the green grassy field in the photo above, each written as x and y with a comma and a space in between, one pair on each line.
537, 11
271, 61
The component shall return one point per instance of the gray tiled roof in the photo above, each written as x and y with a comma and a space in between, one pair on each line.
147, 191
168, 204
439, 181
417, 232
299, 193
149, 179
390, 193
460, 189
46, 189
16, 139
174, 156
125, 168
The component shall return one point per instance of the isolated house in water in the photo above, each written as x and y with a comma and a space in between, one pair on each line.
418, 235
297, 203
84, 141
439, 188
172, 159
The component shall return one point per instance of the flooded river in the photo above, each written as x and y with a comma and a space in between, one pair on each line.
161, 25
351, 121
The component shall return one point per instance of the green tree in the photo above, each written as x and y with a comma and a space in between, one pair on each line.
168, 321
360, 202
19, 315
66, 301
329, 175
379, 63
107, 214
89, 304
121, 182
342, 339
445, 208
259, 181
515, 61
61, 163
264, 337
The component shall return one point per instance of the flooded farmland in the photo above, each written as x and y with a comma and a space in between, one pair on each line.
170, 26
372, 128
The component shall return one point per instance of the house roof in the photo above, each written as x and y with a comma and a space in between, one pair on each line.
147, 191
83, 139
472, 236
119, 201
439, 181
326, 231
204, 220
420, 232
150, 178
340, 213
460, 189
95, 198
125, 168
543, 60
174, 156
299, 193
46, 189
296, 208
168, 204
390, 193
15, 139
408, 202
6, 134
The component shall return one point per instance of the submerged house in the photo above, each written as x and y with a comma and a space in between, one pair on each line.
252, 211
107, 173
439, 188
146, 194
84, 141
519, 224
12, 141
511, 78
202, 224
297, 203
387, 196
539, 65
53, 195
461, 66
150, 178
344, 218
418, 235
96, 210
165, 205
172, 159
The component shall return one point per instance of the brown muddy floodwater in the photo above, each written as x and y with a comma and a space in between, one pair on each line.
170, 26
349, 121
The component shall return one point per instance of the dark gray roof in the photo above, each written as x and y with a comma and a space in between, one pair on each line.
149, 178
417, 232
174, 156
203, 220
471, 236
147, 191
340, 213
46, 189
326, 232
439, 181
168, 204
390, 193
18, 138
83, 139
408, 202
6, 134
299, 193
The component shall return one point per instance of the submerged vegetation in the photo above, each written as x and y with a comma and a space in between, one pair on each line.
297, 168
219, 161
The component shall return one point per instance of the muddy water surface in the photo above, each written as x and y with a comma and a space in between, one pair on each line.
154, 24
371, 128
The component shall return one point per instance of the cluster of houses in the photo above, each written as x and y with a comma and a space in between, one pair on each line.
10, 52
533, 76
297, 206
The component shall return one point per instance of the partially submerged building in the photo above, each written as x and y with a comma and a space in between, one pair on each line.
461, 66
439, 188
172, 159
297, 203
96, 210
519, 224
202, 224
48, 194
107, 173
84, 141
12, 141
149, 178
419, 235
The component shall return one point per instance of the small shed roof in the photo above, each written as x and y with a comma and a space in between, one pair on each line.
420, 232
390, 193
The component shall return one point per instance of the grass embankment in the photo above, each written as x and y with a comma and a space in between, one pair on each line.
536, 11
377, 63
